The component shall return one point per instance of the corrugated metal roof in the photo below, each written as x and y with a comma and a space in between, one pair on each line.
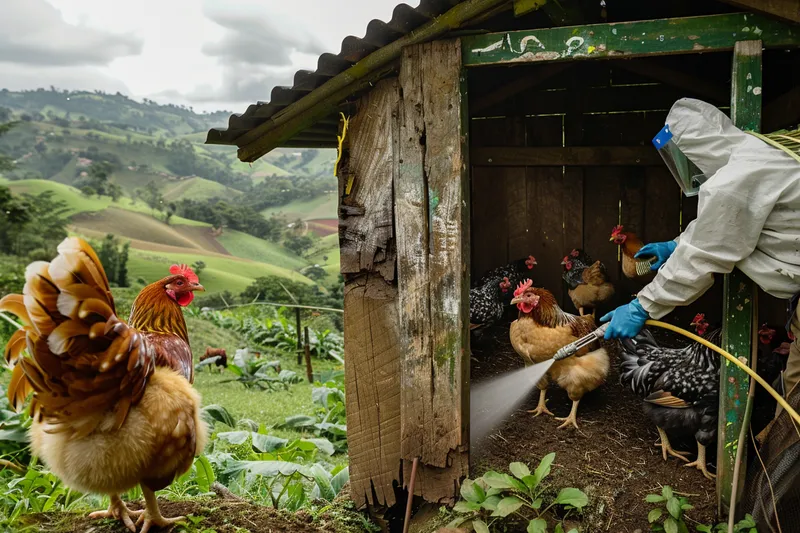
323, 133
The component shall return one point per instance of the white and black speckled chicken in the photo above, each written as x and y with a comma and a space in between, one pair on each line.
587, 281
680, 388
491, 295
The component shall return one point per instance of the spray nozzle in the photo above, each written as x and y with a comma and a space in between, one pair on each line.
574, 347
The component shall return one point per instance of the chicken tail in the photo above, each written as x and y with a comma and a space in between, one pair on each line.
634, 363
80, 357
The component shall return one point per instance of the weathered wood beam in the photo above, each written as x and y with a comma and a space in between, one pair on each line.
627, 39
320, 102
571, 156
783, 111
371, 323
676, 78
787, 10
431, 219
517, 86
737, 308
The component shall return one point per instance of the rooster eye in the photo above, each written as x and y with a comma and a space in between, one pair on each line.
179, 284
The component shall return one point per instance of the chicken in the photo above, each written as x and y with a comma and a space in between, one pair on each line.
773, 351
632, 268
220, 355
586, 280
492, 293
541, 329
680, 388
112, 404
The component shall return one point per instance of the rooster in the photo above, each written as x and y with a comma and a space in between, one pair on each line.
113, 404
541, 329
680, 388
630, 243
586, 280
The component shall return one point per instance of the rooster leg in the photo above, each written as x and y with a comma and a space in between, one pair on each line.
541, 409
666, 448
152, 515
572, 419
700, 463
118, 510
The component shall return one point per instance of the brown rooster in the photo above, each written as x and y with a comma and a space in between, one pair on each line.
630, 243
541, 329
113, 404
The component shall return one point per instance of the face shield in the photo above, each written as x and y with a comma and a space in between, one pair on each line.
688, 176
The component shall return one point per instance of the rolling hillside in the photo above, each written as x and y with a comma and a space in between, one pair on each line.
61, 137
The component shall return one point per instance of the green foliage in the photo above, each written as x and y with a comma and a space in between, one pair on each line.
253, 372
668, 515
277, 290
298, 244
31, 226
329, 421
114, 259
222, 214
490, 500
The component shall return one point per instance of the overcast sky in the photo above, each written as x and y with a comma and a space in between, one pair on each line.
211, 54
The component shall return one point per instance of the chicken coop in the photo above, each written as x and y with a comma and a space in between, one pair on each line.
472, 133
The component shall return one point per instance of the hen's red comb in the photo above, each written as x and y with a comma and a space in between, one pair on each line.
616, 230
185, 271
523, 286
699, 317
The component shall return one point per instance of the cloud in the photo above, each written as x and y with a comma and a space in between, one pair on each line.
33, 32
255, 40
22, 77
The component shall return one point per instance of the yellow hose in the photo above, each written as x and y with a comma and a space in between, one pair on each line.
783, 403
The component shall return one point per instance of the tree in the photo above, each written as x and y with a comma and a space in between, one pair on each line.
298, 244
6, 163
198, 267
152, 196
114, 191
109, 256
122, 269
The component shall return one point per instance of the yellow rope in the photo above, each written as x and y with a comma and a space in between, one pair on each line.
345, 122
783, 403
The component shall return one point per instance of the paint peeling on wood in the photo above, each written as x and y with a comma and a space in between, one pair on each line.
650, 37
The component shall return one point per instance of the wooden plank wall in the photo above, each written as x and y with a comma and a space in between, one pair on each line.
546, 211
406, 336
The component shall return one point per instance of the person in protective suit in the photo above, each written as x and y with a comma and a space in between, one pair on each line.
748, 217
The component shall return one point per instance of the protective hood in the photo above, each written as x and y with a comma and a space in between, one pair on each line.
704, 134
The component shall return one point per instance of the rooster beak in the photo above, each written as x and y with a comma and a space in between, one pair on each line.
516, 301
611, 239
198, 287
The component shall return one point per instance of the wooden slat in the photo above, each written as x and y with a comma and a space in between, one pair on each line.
662, 206
371, 325
591, 156
433, 271
788, 10
739, 293
628, 39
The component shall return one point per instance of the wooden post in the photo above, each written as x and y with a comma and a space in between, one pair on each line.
738, 305
298, 327
432, 223
307, 349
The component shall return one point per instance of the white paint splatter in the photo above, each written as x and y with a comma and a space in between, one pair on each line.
758, 31
573, 43
746, 29
749, 88
749, 75
523, 44
490, 48
756, 90
614, 31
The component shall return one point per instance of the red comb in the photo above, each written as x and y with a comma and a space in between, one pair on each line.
523, 286
616, 229
185, 271
699, 317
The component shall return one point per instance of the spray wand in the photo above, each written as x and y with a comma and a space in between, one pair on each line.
572, 348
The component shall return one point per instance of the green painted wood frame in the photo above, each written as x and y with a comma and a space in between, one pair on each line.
712, 33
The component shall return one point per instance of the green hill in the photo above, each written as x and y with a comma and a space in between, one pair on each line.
85, 147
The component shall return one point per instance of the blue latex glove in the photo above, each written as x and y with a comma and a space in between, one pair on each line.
662, 251
626, 321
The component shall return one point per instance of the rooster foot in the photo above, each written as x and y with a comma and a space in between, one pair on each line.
541, 410
700, 462
666, 447
572, 419
119, 511
148, 521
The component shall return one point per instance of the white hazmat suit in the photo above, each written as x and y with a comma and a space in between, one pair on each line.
748, 217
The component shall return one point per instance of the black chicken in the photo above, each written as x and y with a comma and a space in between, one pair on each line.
515, 271
680, 387
574, 264
490, 297
773, 351
587, 281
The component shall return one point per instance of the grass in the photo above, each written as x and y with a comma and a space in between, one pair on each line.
221, 273
327, 247
269, 408
198, 189
323, 206
244, 245
78, 203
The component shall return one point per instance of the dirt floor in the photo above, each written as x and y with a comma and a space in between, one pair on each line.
611, 457
218, 515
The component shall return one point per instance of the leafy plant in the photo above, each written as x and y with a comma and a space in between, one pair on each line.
252, 372
495, 496
668, 515
746, 525
329, 421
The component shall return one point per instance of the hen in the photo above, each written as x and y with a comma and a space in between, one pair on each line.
492, 293
113, 404
541, 329
680, 388
586, 280
630, 243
